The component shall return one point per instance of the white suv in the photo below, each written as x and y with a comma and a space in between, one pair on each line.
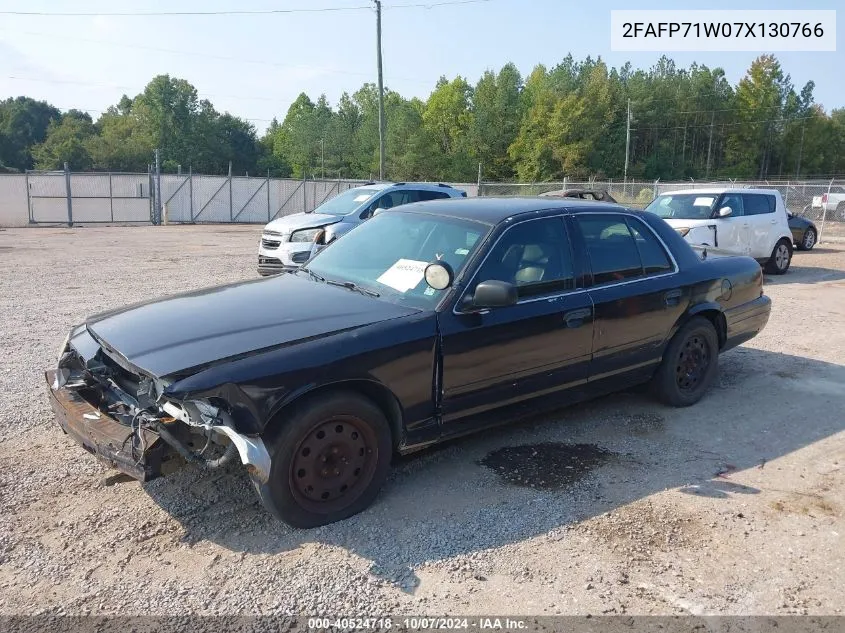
742, 221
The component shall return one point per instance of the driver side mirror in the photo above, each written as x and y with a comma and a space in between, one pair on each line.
725, 212
494, 294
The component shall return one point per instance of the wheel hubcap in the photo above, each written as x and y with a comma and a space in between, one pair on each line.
692, 363
809, 239
333, 463
781, 256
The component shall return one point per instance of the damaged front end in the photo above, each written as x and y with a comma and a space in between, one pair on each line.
121, 415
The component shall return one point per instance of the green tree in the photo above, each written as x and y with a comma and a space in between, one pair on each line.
495, 125
448, 118
23, 123
760, 103
66, 142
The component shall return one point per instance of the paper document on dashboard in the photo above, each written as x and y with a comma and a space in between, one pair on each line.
403, 275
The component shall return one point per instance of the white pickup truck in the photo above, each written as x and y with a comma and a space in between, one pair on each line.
832, 203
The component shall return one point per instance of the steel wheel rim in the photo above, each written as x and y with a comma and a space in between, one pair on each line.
692, 364
809, 239
781, 256
333, 464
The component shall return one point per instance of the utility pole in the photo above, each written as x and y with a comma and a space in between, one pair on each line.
800, 151
322, 160
381, 129
710, 143
627, 144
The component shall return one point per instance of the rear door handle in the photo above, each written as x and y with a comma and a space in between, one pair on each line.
575, 318
672, 298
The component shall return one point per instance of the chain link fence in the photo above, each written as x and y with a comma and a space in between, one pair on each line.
68, 197
815, 200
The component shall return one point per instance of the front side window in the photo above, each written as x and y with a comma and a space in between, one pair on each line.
389, 253
734, 202
533, 255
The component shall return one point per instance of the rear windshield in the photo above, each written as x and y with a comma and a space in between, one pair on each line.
684, 206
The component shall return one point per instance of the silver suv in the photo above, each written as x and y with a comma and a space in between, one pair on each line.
289, 241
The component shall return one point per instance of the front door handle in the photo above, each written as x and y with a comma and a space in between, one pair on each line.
575, 318
672, 298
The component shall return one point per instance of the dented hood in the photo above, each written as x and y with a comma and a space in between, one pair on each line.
198, 328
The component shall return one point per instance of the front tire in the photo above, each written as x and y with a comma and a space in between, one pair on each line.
689, 366
329, 460
780, 259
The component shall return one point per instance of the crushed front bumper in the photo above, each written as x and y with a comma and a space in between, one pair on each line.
115, 444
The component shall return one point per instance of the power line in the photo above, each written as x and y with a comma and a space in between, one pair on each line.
120, 87
225, 58
229, 12
100, 111
681, 127
92, 14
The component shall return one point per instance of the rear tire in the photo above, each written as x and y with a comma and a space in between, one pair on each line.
808, 240
840, 211
690, 364
329, 460
781, 258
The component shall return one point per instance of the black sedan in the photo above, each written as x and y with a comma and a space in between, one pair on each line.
422, 324
804, 232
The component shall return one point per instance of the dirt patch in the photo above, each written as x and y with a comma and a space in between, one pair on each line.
810, 505
642, 528
548, 465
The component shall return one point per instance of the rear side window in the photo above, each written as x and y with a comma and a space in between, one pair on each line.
758, 203
652, 254
620, 250
611, 247
422, 196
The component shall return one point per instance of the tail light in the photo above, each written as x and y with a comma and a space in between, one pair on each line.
824, 198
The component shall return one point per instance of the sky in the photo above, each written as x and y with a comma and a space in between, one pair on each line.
254, 66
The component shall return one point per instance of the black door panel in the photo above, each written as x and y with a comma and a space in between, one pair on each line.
540, 345
634, 291
514, 353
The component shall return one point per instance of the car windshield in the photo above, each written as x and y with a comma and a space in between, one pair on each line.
684, 206
388, 254
346, 202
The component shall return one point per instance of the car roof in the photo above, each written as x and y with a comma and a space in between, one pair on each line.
425, 186
705, 190
493, 210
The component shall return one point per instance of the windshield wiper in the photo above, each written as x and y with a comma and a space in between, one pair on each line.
351, 285
313, 275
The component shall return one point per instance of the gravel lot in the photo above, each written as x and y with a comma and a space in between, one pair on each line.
734, 506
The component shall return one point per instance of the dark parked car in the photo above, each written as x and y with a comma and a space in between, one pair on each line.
412, 329
599, 195
804, 232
